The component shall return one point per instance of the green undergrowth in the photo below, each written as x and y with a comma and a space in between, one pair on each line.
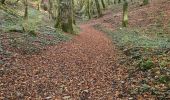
11, 22
26, 43
39, 31
133, 38
148, 59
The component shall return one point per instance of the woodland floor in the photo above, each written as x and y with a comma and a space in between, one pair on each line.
81, 68
84, 68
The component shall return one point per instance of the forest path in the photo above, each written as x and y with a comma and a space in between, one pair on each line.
81, 68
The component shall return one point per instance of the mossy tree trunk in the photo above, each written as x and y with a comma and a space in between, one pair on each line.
65, 16
98, 8
125, 14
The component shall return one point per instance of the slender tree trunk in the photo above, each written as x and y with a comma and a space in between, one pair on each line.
38, 4
58, 19
26, 10
71, 20
89, 8
103, 4
98, 8
125, 14
50, 8
73, 11
25, 29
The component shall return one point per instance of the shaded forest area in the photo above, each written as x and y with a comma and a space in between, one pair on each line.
85, 49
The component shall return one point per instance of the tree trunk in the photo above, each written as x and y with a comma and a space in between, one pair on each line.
125, 14
89, 8
26, 9
65, 16
103, 4
98, 8
50, 9
38, 4
73, 11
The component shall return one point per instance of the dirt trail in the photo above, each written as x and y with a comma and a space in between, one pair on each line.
81, 68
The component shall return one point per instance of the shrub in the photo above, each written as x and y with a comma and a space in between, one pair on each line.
146, 65
164, 79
